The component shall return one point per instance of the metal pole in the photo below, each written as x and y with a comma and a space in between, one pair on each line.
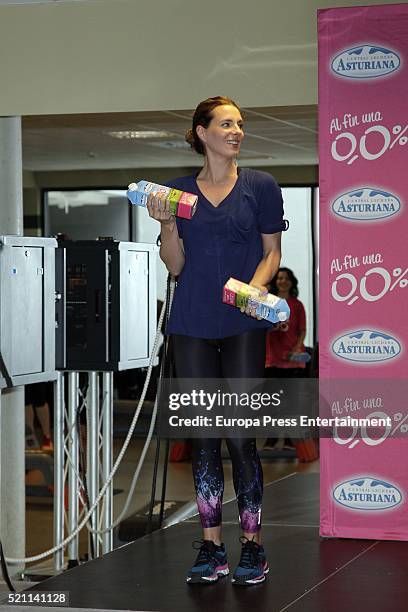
12, 508
107, 454
59, 469
11, 177
1, 530
73, 466
92, 468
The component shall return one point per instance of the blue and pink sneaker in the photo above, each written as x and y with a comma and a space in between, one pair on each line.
253, 566
211, 563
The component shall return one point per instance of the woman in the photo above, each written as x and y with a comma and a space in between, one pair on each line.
235, 232
285, 340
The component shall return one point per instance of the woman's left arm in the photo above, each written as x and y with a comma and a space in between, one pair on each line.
299, 343
299, 323
269, 264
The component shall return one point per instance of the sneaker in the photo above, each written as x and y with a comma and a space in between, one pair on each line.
211, 563
252, 566
47, 444
262, 557
270, 444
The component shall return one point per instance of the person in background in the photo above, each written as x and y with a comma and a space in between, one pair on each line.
37, 404
284, 342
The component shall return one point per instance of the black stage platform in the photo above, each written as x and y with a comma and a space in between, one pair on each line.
307, 574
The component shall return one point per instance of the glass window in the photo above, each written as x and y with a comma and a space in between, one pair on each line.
87, 214
297, 248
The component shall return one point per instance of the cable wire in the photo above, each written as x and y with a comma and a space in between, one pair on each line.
139, 466
158, 438
102, 492
4, 570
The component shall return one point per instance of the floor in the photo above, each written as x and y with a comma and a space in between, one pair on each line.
308, 574
39, 514
39, 517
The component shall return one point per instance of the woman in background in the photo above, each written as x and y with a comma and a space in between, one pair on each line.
284, 342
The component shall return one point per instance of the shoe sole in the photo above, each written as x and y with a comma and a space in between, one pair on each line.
253, 580
249, 582
208, 579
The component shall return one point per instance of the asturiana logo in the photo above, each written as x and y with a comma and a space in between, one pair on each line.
365, 62
366, 346
366, 204
367, 493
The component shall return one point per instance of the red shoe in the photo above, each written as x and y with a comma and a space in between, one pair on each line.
47, 444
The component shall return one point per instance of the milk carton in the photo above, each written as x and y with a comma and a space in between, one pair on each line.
269, 306
182, 203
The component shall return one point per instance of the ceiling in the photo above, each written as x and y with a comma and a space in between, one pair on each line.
35, 1
273, 136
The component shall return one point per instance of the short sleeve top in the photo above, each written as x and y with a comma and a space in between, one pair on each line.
219, 243
283, 337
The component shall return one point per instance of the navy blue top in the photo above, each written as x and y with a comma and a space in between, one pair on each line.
220, 242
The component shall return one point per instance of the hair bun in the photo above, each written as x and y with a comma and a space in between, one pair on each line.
190, 137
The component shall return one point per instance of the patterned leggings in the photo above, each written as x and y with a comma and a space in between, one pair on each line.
241, 356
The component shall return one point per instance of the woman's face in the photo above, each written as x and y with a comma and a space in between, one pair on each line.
283, 281
224, 134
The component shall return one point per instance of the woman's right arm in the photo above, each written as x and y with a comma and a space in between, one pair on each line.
171, 249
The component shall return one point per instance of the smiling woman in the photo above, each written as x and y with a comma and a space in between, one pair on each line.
222, 140
204, 114
235, 232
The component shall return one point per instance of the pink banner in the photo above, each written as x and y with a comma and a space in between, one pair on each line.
363, 305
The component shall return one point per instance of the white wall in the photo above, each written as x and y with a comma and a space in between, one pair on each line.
134, 55
297, 252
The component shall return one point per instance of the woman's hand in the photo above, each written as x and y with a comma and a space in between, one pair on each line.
293, 351
250, 310
262, 288
159, 209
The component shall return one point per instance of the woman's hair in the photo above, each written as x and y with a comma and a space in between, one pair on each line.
293, 291
203, 116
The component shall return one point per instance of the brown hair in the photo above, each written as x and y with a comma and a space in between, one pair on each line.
293, 291
203, 116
